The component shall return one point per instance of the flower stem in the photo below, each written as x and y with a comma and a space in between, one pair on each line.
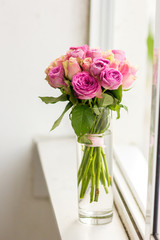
83, 164
103, 180
106, 167
92, 178
98, 171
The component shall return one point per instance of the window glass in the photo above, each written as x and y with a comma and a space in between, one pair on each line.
133, 33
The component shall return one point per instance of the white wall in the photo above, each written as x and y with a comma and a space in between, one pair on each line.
33, 33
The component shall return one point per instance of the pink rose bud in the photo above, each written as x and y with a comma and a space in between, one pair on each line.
114, 65
86, 64
59, 61
71, 67
86, 86
84, 48
55, 77
119, 55
98, 65
48, 69
94, 53
110, 78
109, 55
128, 72
77, 53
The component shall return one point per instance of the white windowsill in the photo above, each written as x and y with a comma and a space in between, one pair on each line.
58, 161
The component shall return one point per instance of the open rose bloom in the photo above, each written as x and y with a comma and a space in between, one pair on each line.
88, 76
110, 70
92, 83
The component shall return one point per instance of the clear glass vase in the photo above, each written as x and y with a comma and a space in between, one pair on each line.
94, 154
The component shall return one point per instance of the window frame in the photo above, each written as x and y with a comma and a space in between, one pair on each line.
101, 34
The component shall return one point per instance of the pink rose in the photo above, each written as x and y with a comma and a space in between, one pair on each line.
109, 55
71, 67
84, 48
55, 77
129, 74
98, 65
119, 55
114, 65
94, 53
110, 78
59, 61
76, 53
86, 86
48, 69
86, 64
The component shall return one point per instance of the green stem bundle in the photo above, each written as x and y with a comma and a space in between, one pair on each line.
93, 169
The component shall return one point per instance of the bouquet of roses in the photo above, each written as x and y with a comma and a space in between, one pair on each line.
90, 81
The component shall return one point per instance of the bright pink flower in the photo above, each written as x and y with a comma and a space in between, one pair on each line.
71, 67
86, 64
84, 48
129, 74
119, 55
86, 86
94, 53
55, 77
98, 65
77, 53
111, 79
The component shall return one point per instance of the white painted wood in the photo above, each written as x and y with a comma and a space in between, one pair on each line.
39, 185
58, 159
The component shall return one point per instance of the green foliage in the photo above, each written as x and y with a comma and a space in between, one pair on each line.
150, 45
57, 122
53, 100
84, 139
72, 97
82, 119
96, 109
117, 93
117, 108
106, 100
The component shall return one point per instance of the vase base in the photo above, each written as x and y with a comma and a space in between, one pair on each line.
98, 219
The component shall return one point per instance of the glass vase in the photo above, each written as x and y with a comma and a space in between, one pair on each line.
94, 154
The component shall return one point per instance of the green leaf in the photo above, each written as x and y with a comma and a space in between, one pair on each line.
117, 93
57, 122
83, 139
117, 108
123, 106
106, 100
96, 109
150, 45
53, 100
82, 119
72, 97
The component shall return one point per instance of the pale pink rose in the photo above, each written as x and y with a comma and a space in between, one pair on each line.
59, 61
71, 67
119, 55
114, 65
94, 53
48, 69
129, 74
109, 55
86, 64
